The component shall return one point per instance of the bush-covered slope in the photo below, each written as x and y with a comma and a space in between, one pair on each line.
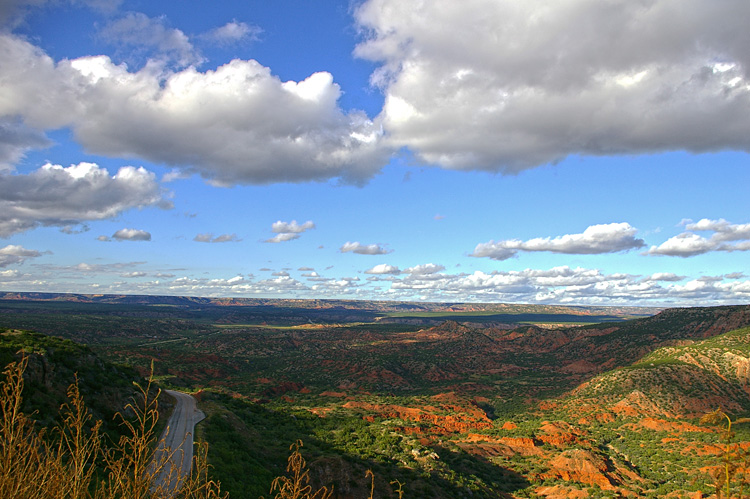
686, 380
54, 363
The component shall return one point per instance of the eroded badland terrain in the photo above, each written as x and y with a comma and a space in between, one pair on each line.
448, 400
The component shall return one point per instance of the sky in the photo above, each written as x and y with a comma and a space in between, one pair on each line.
577, 152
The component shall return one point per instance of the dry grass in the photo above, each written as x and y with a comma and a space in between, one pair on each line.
31, 467
297, 485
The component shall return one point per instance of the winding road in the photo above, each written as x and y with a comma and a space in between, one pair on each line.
177, 439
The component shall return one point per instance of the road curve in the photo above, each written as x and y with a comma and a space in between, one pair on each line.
177, 439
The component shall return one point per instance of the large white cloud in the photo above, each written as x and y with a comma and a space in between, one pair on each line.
235, 124
596, 239
726, 237
61, 196
505, 85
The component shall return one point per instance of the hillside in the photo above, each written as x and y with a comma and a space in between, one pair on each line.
453, 410
54, 364
687, 380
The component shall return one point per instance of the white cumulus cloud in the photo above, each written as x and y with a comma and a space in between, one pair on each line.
131, 235
531, 82
424, 269
15, 254
364, 249
382, 269
280, 238
292, 227
726, 237
287, 231
65, 196
596, 239
235, 124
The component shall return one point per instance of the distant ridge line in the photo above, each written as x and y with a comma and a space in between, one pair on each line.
390, 306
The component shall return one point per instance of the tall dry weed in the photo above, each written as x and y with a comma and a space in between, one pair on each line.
735, 461
297, 485
32, 468
28, 468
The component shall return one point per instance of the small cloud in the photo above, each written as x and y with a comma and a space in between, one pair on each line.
383, 269
280, 238
71, 229
305, 269
287, 231
665, 276
130, 275
175, 174
438, 216
293, 227
104, 239
426, 269
137, 31
9, 275
232, 32
226, 238
208, 237
684, 245
726, 237
131, 235
364, 249
281, 273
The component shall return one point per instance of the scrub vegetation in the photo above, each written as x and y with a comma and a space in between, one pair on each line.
460, 409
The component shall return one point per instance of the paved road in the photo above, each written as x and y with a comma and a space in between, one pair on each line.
178, 439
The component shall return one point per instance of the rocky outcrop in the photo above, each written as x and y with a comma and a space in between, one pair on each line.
441, 419
580, 465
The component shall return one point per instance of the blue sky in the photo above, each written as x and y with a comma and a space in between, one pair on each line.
496, 151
